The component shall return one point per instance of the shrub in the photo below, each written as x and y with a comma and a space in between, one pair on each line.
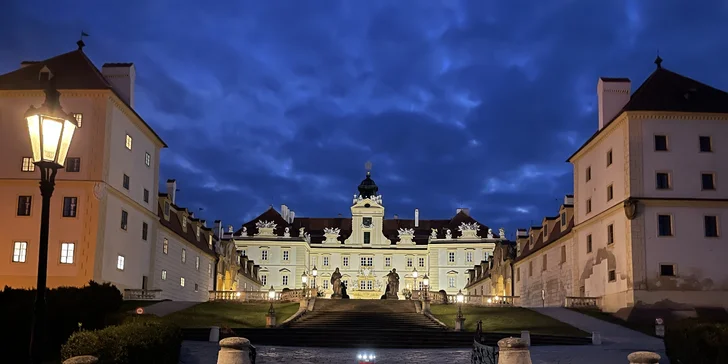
693, 341
67, 308
138, 342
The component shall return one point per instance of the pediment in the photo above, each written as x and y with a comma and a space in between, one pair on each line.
286, 270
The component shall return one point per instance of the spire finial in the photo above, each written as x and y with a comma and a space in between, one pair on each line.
80, 42
368, 167
658, 60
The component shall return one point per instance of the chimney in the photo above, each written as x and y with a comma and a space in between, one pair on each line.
613, 94
284, 212
171, 189
293, 216
417, 217
218, 229
122, 77
396, 216
521, 233
569, 200
464, 210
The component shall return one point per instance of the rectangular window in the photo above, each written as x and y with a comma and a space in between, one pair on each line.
612, 275
563, 254
345, 261
518, 274
73, 164
367, 221
326, 284
664, 225
25, 203
545, 232
166, 208
128, 142
610, 234
120, 262
264, 255
367, 237
409, 262
20, 250
209, 269
711, 226
313, 261
588, 174
79, 118
125, 182
196, 287
661, 143
264, 280
367, 261
147, 159
469, 256
326, 261
164, 275
451, 257
70, 205
708, 181
27, 165
370, 285
124, 219
530, 268
165, 246
197, 263
662, 181
706, 144
285, 255
610, 192
667, 270
421, 262
67, 250
589, 243
563, 219
451, 282
184, 255
146, 195
588, 206
387, 261
609, 158
545, 262
285, 280
182, 281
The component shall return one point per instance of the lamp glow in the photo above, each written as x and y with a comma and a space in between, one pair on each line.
314, 271
51, 130
304, 278
414, 273
271, 293
426, 280
460, 296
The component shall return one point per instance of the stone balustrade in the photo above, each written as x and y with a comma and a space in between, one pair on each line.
582, 302
142, 294
486, 300
293, 295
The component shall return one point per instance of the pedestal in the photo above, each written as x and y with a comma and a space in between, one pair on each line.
214, 334
234, 350
426, 306
459, 323
270, 320
335, 296
513, 351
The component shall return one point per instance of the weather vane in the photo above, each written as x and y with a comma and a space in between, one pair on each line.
368, 166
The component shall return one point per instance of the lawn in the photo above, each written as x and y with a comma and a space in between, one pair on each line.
505, 319
133, 305
230, 314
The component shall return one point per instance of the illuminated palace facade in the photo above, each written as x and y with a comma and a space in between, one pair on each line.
365, 247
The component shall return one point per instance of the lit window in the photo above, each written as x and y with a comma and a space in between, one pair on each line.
73, 164
20, 250
182, 281
184, 223
70, 206
209, 269
468, 256
79, 118
451, 282
164, 275
28, 165
197, 263
128, 142
147, 159
263, 255
120, 262
165, 246
124, 219
24, 205
285, 256
451, 257
67, 250
184, 256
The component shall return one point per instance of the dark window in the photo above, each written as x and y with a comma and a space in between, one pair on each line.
667, 270
663, 181
589, 243
563, 219
124, 219
73, 164
24, 205
125, 182
146, 195
612, 275
145, 230
367, 237
588, 206
609, 158
708, 181
610, 234
367, 221
706, 144
610, 192
711, 226
664, 225
661, 143
588, 174
70, 205
166, 208
28, 165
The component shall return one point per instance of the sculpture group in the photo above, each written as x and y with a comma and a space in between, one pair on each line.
339, 288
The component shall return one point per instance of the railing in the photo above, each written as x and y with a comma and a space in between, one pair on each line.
486, 300
582, 302
142, 294
418, 294
292, 295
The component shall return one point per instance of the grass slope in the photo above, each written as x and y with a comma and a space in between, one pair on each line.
230, 314
505, 319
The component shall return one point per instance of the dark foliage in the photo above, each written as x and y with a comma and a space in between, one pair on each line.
68, 308
693, 341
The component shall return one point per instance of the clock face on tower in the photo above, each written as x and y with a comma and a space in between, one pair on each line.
367, 221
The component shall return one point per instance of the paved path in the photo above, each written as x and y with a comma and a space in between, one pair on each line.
613, 336
196, 352
164, 308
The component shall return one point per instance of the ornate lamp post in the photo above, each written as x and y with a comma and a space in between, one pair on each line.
459, 319
314, 272
270, 318
414, 276
51, 130
304, 279
426, 296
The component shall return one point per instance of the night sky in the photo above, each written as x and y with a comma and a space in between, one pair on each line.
456, 103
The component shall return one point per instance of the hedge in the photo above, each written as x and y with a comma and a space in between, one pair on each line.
89, 307
693, 341
139, 342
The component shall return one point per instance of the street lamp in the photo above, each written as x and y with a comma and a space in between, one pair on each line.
51, 130
426, 283
459, 320
414, 276
304, 279
271, 293
314, 272
270, 318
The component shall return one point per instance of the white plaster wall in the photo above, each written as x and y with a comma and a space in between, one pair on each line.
556, 280
176, 269
441, 266
275, 267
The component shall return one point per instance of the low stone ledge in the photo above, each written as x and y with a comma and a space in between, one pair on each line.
83, 359
301, 311
433, 318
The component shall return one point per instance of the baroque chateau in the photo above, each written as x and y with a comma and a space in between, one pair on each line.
643, 228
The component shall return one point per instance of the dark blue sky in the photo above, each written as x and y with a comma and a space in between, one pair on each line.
457, 103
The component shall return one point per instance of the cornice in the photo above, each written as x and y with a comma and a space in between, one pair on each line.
134, 117
600, 135
131, 201
64, 93
673, 115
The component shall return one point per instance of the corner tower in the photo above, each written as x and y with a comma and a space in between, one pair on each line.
367, 214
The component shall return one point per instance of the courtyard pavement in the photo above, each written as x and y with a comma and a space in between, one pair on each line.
196, 352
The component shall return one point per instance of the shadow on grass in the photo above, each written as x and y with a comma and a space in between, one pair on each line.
230, 314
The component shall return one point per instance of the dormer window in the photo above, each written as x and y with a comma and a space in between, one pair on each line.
545, 232
184, 223
563, 219
209, 241
166, 210
367, 222
197, 232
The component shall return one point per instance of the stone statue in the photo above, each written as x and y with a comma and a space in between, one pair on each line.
336, 284
287, 232
433, 233
490, 233
502, 233
301, 232
448, 234
392, 284
344, 295
230, 229
245, 231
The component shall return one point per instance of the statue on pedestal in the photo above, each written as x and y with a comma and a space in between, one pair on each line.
344, 295
392, 284
336, 284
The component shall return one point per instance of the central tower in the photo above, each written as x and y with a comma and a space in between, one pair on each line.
367, 214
